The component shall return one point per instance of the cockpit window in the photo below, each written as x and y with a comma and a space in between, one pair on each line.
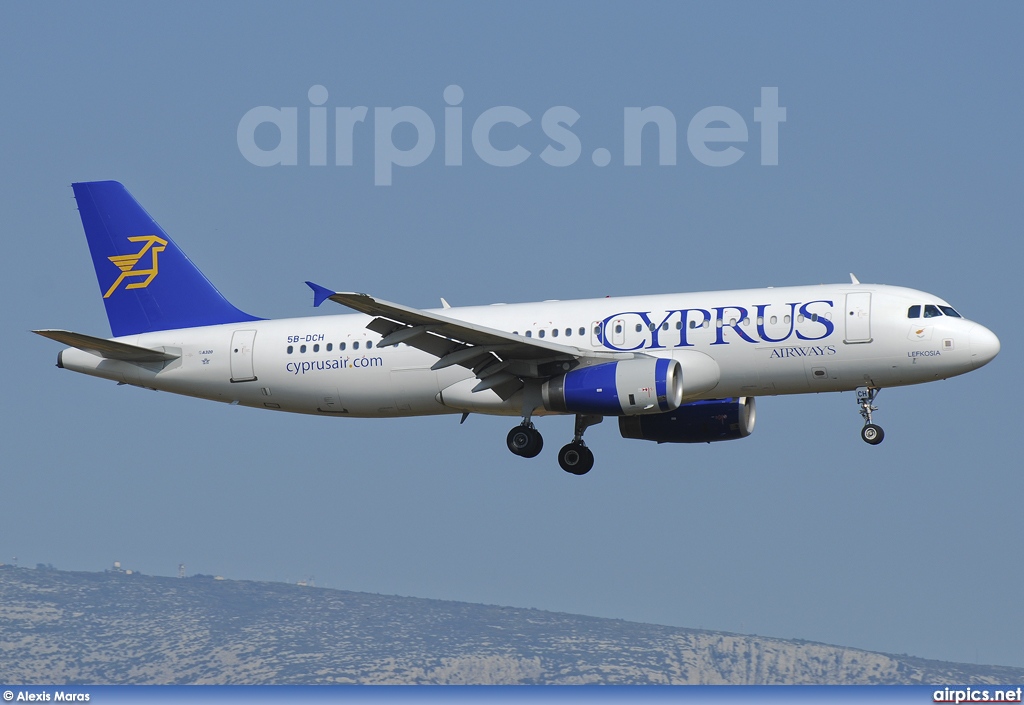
931, 311
914, 311
950, 311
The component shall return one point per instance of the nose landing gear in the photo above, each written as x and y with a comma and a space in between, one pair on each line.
871, 433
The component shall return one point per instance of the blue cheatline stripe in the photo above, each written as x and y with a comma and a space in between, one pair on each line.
661, 383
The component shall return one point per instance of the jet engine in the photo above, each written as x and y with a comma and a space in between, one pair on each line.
696, 422
645, 385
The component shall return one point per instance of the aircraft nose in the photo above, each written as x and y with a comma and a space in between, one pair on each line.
984, 345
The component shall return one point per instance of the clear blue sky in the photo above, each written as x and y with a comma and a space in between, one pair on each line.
900, 160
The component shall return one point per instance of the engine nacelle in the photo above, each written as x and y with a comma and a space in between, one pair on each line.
696, 422
643, 385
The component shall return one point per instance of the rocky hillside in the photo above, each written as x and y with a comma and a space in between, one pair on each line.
105, 628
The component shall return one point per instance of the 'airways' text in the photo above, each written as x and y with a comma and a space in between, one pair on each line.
812, 351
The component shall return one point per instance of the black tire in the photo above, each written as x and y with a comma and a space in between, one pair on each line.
525, 442
536, 444
872, 434
576, 458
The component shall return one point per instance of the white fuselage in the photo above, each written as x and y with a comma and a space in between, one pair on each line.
742, 343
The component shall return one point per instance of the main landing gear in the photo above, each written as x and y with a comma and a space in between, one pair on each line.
525, 440
575, 457
871, 433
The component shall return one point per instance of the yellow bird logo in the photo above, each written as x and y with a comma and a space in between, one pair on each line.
126, 263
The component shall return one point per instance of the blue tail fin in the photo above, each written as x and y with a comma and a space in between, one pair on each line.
147, 283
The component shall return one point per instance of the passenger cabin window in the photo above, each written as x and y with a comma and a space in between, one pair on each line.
931, 311
355, 345
540, 333
583, 331
914, 311
290, 349
330, 346
369, 343
341, 346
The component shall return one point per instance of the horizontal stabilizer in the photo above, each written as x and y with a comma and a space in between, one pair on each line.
110, 349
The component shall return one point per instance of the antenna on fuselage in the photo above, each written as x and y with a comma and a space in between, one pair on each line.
853, 279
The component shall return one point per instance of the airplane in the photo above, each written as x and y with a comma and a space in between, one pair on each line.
672, 368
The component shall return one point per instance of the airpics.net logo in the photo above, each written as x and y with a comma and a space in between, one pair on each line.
715, 135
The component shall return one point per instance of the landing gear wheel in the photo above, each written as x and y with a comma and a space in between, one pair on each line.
576, 458
525, 441
872, 434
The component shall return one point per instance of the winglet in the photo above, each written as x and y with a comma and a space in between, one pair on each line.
320, 294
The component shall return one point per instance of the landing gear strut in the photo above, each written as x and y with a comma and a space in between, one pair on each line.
871, 433
575, 457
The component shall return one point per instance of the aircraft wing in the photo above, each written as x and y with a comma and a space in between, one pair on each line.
497, 357
110, 349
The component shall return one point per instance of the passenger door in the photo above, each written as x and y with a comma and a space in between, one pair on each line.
241, 356
858, 317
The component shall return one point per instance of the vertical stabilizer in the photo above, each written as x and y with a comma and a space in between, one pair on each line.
146, 281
